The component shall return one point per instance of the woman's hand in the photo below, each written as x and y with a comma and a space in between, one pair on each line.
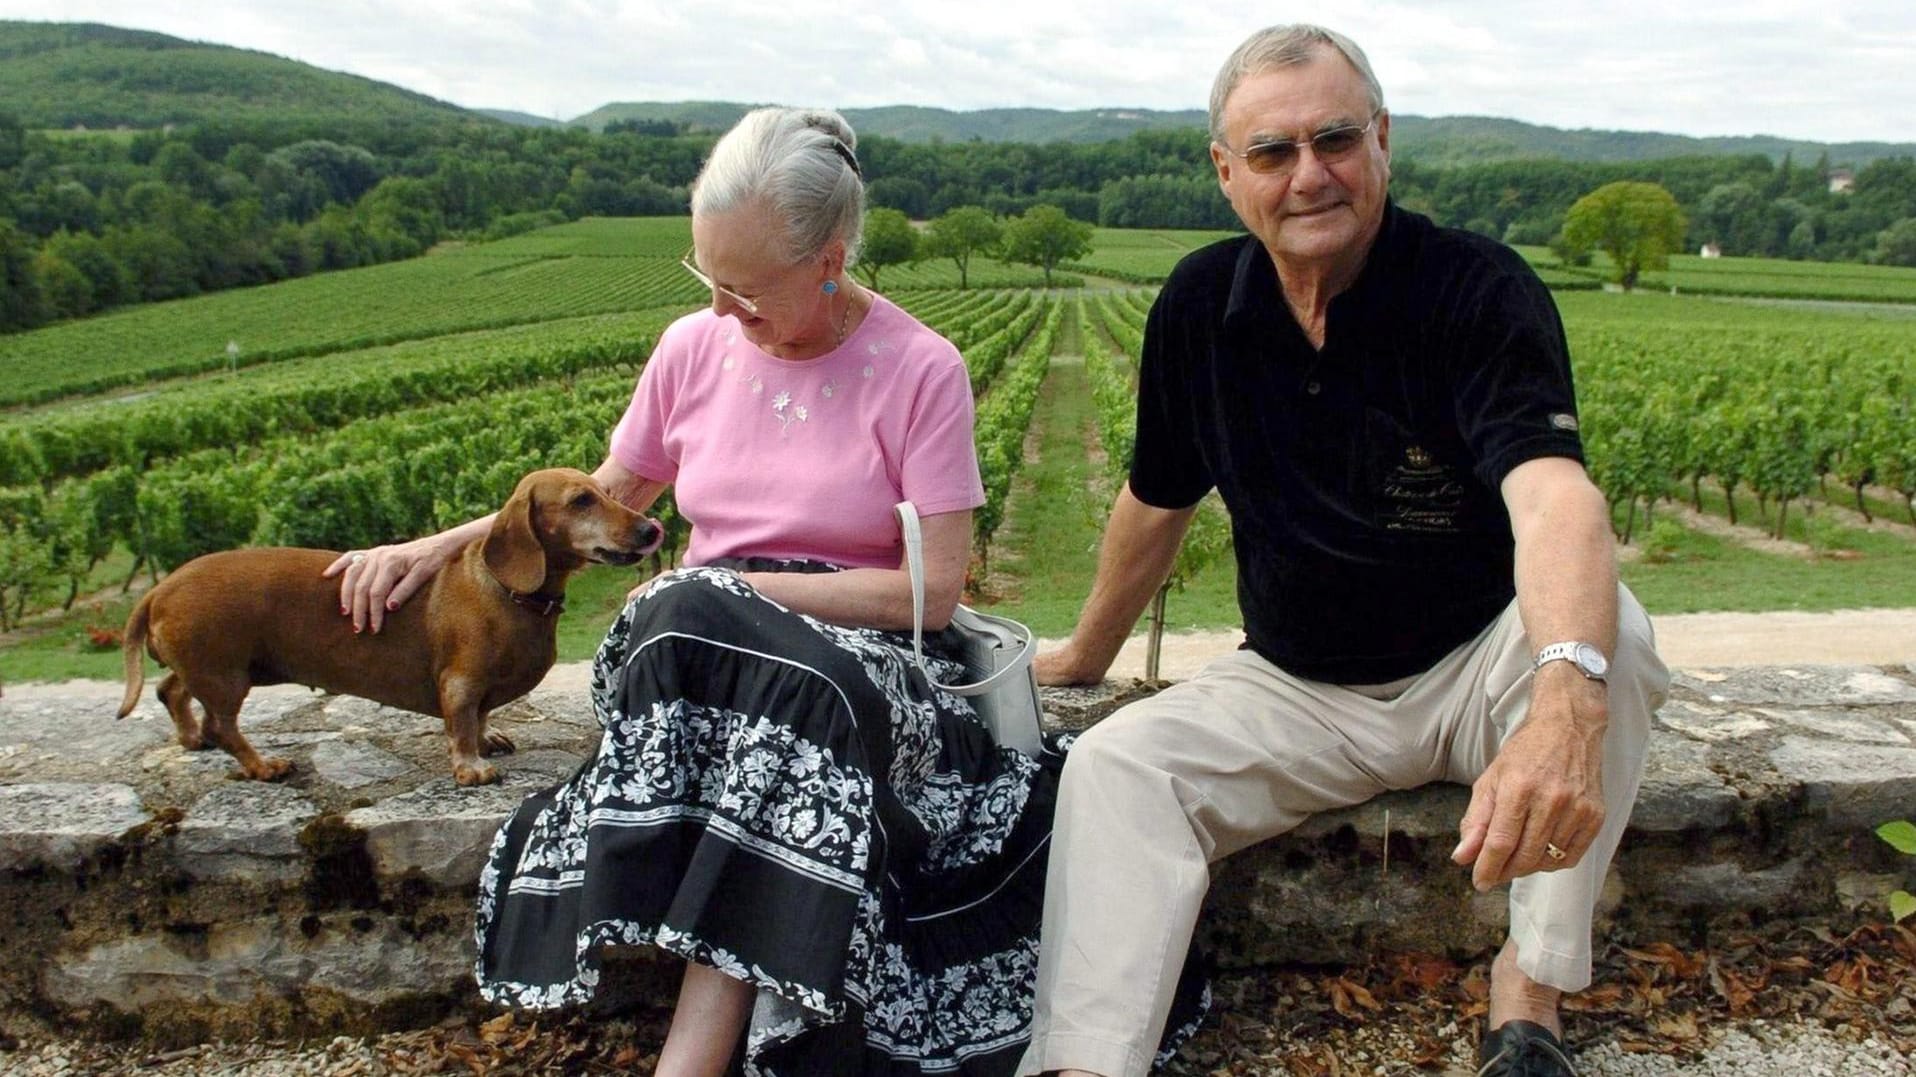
375, 582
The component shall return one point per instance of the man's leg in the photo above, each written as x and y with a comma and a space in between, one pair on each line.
1150, 797
1549, 949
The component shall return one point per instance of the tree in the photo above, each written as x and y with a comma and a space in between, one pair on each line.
1043, 237
889, 240
1896, 245
21, 305
1733, 215
961, 233
1637, 224
13, 140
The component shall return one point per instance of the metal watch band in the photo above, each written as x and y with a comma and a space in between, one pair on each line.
1588, 659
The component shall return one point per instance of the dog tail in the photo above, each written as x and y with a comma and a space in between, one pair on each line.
133, 647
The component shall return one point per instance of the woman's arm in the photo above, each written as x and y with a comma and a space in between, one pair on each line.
627, 487
377, 581
881, 597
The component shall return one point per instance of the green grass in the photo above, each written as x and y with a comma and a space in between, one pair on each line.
1143, 255
1055, 519
1751, 277
1046, 555
332, 312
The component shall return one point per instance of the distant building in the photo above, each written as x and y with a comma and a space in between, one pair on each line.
1710, 250
1842, 181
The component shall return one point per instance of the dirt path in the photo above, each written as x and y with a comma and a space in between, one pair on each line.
1841, 637
1686, 640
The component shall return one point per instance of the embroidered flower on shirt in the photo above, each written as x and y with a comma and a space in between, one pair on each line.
752, 380
868, 371
728, 363
785, 419
826, 390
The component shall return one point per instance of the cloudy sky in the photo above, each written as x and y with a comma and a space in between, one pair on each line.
1834, 70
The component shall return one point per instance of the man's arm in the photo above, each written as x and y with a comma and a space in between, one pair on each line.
1545, 785
1140, 544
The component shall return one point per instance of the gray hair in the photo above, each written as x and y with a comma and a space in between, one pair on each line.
800, 163
1285, 46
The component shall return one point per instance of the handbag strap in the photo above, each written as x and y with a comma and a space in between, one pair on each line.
915, 564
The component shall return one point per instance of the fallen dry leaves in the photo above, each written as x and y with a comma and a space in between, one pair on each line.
1398, 1014
1654, 997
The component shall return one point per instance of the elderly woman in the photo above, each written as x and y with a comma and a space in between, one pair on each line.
851, 869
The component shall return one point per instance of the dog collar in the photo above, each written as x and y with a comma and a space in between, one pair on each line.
543, 604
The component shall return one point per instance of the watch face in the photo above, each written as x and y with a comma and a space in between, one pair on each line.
1591, 660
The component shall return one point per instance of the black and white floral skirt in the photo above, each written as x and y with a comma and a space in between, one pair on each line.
789, 802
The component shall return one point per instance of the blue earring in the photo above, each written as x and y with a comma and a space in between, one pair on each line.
830, 287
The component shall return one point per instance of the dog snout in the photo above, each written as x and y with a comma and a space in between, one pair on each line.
647, 536
643, 539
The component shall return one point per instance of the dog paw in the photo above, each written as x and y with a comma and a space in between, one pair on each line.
480, 775
497, 743
270, 770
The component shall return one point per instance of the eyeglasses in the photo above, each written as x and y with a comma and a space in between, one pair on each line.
747, 305
1280, 157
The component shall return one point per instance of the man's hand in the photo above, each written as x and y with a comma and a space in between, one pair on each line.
1545, 788
1064, 667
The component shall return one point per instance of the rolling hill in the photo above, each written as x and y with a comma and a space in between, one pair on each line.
1436, 140
65, 75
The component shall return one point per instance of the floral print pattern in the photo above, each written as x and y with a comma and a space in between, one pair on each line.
771, 777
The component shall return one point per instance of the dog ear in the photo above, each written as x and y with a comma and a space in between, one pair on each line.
512, 550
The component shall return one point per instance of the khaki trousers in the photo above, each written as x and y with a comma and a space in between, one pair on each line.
1243, 752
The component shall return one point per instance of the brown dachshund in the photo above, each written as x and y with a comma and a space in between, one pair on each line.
483, 633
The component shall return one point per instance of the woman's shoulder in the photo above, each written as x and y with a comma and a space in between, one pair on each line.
894, 330
685, 338
692, 328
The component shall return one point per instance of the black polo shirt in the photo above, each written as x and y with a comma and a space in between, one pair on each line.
1362, 480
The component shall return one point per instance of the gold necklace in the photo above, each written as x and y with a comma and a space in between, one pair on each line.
845, 318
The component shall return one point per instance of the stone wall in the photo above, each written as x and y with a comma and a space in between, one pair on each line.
146, 892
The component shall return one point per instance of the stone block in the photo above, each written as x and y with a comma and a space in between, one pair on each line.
350, 764
60, 824
441, 830
1854, 724
41, 742
249, 961
1727, 885
1710, 723
245, 832
1799, 686
1431, 812
1680, 791
1860, 785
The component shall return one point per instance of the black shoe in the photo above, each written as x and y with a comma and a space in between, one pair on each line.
1523, 1049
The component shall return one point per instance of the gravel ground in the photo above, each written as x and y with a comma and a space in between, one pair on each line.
1761, 1048
1792, 1001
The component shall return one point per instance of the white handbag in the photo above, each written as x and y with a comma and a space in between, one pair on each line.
1002, 688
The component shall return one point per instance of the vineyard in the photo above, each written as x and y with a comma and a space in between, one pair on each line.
377, 404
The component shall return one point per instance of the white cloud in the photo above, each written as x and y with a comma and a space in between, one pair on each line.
1832, 70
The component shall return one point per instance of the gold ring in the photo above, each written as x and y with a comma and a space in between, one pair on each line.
1550, 850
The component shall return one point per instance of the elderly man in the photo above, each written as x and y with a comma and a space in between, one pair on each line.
1425, 572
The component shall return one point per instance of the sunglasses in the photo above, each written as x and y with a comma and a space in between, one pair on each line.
1279, 157
749, 306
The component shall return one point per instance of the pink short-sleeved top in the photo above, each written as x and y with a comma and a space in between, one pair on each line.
775, 458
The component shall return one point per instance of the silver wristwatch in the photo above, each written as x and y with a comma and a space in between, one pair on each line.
1585, 656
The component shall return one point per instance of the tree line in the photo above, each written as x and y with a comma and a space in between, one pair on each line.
95, 221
